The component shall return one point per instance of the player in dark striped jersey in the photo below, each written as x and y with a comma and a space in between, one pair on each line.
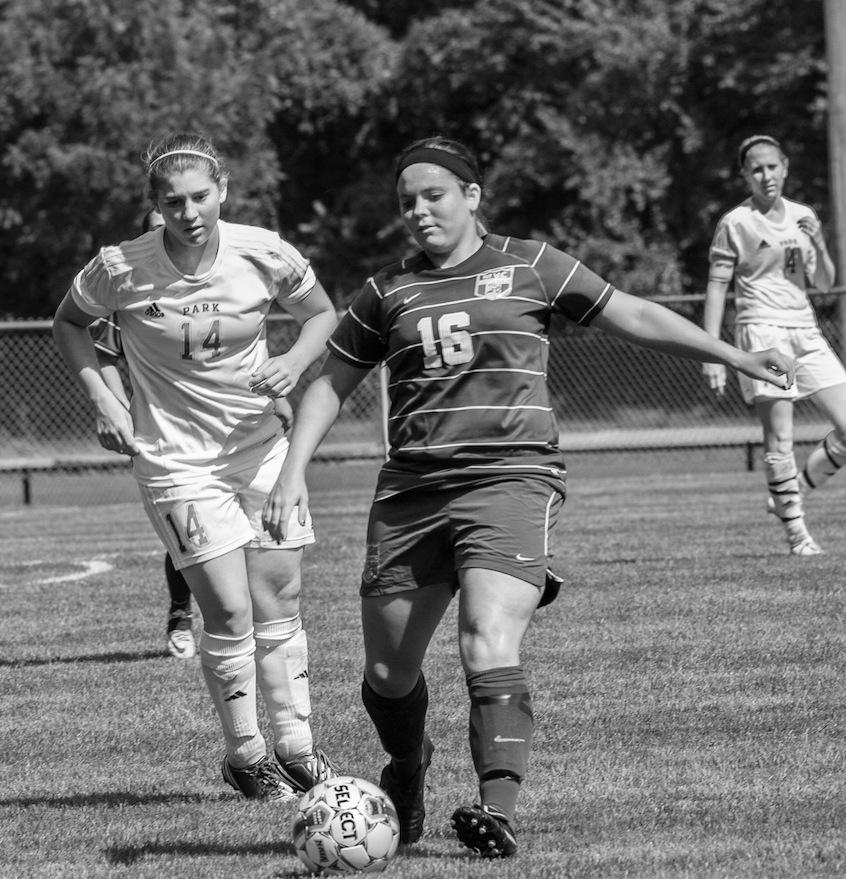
475, 479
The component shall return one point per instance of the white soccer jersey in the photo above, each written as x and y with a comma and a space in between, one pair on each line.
191, 343
773, 264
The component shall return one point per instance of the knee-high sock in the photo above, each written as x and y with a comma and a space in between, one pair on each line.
282, 669
501, 726
230, 672
180, 594
783, 484
826, 458
400, 724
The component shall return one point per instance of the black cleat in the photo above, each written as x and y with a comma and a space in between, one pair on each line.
484, 830
261, 781
407, 795
304, 773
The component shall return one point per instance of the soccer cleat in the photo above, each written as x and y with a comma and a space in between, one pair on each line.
304, 773
407, 795
261, 781
484, 830
180, 635
807, 546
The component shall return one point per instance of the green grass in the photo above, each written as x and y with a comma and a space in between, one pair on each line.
689, 691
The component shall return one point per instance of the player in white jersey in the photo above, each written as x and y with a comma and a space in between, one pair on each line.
474, 481
773, 249
192, 300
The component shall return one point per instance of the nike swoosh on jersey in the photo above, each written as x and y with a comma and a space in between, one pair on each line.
524, 558
411, 298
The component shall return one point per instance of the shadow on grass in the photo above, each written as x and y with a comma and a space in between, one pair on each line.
111, 798
122, 656
129, 854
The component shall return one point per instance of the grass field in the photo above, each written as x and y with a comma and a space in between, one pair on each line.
689, 690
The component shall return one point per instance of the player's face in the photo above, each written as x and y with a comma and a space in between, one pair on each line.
765, 170
438, 210
189, 201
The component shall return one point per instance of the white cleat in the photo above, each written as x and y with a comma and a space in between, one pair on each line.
808, 546
180, 635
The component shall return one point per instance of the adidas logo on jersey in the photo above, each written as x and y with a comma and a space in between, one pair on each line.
764, 244
153, 310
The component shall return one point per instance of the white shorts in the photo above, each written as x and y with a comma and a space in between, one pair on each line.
203, 520
817, 366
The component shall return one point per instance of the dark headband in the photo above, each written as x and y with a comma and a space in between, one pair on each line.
433, 156
754, 141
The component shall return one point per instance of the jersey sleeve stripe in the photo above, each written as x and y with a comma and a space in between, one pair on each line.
346, 355
567, 280
597, 306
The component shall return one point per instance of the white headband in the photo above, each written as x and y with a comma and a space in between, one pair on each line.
212, 159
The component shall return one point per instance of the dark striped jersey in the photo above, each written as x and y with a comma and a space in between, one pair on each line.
466, 350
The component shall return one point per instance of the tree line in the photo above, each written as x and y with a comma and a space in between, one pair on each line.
607, 127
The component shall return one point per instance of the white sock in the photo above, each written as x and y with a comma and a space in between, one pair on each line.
783, 484
827, 457
282, 669
230, 672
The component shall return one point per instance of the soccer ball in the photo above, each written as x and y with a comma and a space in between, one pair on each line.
346, 825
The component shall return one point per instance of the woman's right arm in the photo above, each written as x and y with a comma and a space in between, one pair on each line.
719, 278
70, 332
317, 412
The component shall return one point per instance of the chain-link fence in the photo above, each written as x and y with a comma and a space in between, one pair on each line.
609, 396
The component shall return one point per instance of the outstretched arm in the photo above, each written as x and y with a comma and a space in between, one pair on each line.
654, 326
317, 412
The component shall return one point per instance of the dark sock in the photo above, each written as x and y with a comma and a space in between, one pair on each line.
180, 594
501, 726
400, 724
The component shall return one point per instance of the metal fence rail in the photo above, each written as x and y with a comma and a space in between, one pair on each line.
609, 396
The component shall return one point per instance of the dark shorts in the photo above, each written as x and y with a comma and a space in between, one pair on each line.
424, 537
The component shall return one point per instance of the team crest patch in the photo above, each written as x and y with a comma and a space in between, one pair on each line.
371, 563
496, 284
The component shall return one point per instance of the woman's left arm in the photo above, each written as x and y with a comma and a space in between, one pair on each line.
315, 314
824, 272
654, 326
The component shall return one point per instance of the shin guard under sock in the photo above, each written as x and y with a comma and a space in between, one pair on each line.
400, 724
501, 726
282, 671
230, 673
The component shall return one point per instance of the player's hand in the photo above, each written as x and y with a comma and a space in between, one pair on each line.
115, 429
770, 366
284, 411
715, 376
812, 228
288, 498
276, 377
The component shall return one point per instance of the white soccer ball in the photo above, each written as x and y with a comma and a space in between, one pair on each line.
346, 825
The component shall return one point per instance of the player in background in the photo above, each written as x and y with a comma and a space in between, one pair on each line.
474, 481
192, 301
773, 248
179, 632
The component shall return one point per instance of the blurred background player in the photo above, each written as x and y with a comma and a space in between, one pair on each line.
192, 301
179, 633
474, 481
772, 249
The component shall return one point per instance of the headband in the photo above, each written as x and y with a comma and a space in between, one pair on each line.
754, 141
460, 167
212, 159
